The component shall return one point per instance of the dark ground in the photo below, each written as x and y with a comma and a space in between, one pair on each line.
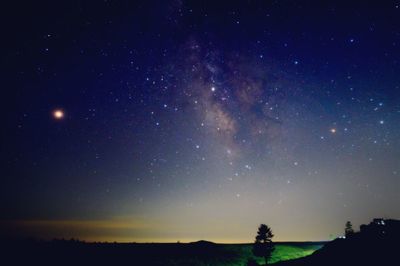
375, 244
202, 253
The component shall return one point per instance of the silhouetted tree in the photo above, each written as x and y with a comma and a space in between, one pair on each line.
263, 245
348, 229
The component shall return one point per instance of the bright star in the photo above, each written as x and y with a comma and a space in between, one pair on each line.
58, 114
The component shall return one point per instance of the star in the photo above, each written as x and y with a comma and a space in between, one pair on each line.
58, 114
204, 121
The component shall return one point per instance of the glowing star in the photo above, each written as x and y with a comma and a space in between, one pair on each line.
333, 130
212, 89
58, 114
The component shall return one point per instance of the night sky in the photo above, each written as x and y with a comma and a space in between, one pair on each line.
182, 120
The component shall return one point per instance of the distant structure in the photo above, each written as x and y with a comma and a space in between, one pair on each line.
381, 227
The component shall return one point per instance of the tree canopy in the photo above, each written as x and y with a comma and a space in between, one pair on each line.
263, 245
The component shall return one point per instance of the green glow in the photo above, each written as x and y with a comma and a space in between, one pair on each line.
282, 252
242, 252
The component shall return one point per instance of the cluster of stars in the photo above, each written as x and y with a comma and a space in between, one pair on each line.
233, 110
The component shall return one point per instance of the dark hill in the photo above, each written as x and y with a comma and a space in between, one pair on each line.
375, 244
202, 243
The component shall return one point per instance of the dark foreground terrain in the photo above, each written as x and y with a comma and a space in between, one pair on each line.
30, 252
375, 244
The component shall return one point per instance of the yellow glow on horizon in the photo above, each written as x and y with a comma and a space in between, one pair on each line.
123, 230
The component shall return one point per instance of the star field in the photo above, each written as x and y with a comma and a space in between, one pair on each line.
183, 120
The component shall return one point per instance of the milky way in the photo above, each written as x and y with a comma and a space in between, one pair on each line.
183, 120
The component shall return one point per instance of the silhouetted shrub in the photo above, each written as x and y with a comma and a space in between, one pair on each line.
348, 231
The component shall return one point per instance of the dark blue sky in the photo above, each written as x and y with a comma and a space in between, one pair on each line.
215, 115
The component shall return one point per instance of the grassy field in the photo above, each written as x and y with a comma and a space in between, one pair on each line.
200, 253
240, 253
281, 252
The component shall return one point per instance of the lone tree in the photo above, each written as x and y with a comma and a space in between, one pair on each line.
263, 245
348, 231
